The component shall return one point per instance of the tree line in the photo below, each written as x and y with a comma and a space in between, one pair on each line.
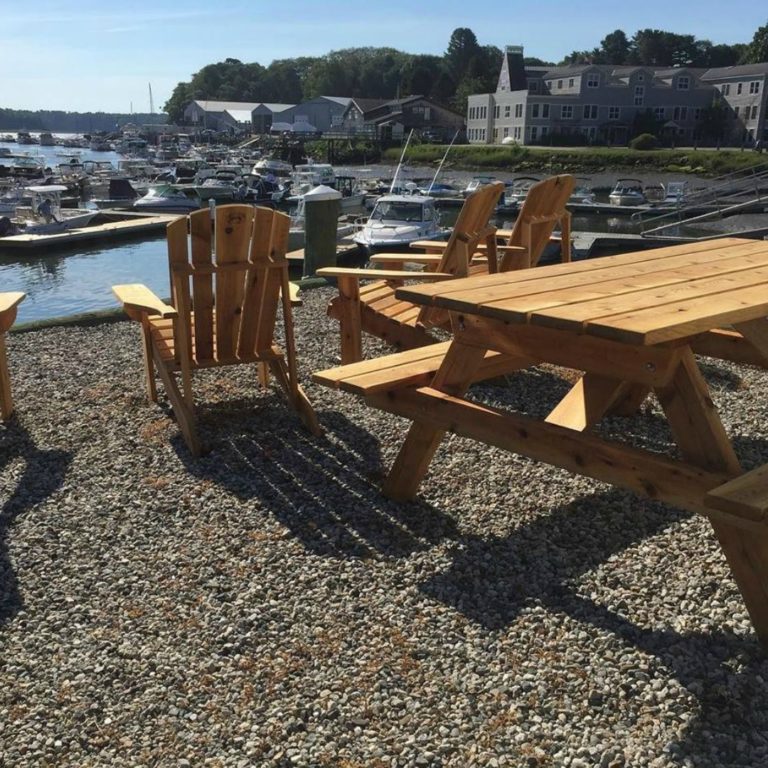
466, 67
70, 122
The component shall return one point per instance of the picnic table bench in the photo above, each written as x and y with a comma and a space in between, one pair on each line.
631, 324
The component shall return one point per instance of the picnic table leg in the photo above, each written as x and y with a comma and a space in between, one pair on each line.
588, 401
702, 440
454, 377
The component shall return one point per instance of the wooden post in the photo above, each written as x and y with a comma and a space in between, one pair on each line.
6, 399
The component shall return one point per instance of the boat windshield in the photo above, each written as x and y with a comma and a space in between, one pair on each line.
398, 211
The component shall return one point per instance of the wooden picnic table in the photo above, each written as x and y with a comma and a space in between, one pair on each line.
631, 324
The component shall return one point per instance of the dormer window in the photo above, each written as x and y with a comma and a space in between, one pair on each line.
683, 83
533, 86
570, 83
593, 80
559, 84
640, 77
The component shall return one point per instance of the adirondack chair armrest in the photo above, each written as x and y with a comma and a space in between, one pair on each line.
137, 297
381, 274
412, 258
10, 300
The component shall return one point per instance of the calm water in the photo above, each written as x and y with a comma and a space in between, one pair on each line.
67, 283
52, 155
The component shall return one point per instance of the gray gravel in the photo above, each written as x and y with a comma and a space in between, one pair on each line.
266, 606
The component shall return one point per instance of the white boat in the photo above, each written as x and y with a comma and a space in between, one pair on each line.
476, 182
675, 193
167, 199
45, 216
277, 168
398, 220
582, 194
517, 190
10, 200
627, 192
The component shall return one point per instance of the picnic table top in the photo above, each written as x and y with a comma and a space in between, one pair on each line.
645, 297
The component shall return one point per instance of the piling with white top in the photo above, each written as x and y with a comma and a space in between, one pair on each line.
322, 206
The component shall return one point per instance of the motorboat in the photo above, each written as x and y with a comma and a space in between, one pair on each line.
46, 139
165, 198
268, 166
10, 200
24, 137
517, 190
45, 215
627, 192
119, 195
398, 220
582, 194
675, 193
441, 191
476, 182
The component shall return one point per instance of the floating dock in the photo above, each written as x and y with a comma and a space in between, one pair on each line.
128, 224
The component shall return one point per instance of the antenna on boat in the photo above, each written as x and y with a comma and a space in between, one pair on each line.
440, 167
402, 157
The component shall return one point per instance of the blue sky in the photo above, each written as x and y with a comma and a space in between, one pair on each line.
83, 55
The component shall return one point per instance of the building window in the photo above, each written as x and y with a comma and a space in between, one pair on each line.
566, 112
497, 112
545, 111
482, 134
639, 95
659, 112
518, 110
518, 133
754, 86
754, 112
726, 89
680, 113
739, 86
590, 111
683, 83
495, 134
614, 113
544, 131
559, 84
696, 113
533, 86
570, 82
593, 80
506, 131
507, 110
534, 110
534, 133
471, 113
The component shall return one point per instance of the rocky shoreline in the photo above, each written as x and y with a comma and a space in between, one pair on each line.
266, 606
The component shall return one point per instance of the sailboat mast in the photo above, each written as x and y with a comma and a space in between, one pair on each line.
440, 167
402, 157
151, 102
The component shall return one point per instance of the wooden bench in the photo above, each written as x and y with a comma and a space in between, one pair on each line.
745, 496
412, 368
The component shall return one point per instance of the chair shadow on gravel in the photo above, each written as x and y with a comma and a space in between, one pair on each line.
325, 490
42, 475
492, 580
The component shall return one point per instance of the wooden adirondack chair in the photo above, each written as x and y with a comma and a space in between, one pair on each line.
374, 309
544, 207
523, 246
227, 315
8, 304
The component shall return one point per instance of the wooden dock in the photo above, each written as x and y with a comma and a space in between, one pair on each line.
131, 226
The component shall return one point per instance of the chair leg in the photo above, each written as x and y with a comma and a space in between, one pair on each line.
349, 320
149, 373
296, 396
6, 400
263, 371
185, 416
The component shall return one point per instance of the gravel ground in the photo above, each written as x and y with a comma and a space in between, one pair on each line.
266, 606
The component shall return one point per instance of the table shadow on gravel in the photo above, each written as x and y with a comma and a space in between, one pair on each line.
42, 474
492, 580
325, 490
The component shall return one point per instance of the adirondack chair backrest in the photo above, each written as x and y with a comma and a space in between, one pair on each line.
471, 227
543, 208
226, 283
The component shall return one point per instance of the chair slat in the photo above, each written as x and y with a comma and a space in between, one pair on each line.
202, 284
234, 224
256, 279
274, 280
177, 255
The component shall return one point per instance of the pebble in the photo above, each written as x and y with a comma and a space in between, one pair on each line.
266, 605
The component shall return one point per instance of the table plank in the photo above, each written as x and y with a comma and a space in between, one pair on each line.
681, 319
576, 304
578, 315
581, 272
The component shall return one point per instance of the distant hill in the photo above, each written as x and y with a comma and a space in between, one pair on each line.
71, 122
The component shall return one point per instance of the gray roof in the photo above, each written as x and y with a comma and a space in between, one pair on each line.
368, 104
343, 100
741, 70
223, 106
568, 70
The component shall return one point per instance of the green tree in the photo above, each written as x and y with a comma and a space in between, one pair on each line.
614, 47
757, 50
462, 48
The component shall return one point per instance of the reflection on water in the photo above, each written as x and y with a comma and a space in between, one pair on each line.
67, 282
